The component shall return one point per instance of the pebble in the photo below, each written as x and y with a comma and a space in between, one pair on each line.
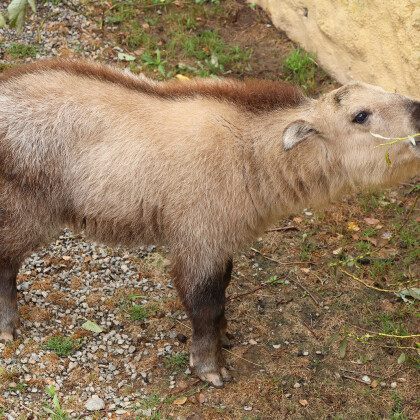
95, 404
366, 379
393, 385
247, 408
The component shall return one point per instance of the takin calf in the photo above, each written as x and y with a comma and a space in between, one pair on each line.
203, 166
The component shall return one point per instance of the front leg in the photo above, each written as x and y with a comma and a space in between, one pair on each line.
204, 301
8, 301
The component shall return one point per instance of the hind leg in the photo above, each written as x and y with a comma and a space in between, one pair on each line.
8, 301
18, 237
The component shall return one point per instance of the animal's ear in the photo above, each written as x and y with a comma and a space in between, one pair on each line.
296, 132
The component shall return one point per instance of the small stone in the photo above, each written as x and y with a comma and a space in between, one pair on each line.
95, 404
297, 385
401, 380
374, 384
276, 346
366, 379
393, 385
247, 408
287, 395
131, 349
252, 341
383, 384
305, 353
181, 338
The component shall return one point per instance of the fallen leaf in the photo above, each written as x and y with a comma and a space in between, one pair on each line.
304, 403
386, 235
297, 219
182, 78
306, 270
126, 57
371, 222
180, 401
337, 251
353, 226
145, 26
374, 384
200, 398
92, 326
371, 240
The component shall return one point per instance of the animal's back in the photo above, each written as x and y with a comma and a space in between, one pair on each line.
121, 162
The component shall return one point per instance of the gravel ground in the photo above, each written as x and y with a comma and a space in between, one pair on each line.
58, 30
60, 288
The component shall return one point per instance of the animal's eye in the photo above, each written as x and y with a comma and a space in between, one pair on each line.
361, 117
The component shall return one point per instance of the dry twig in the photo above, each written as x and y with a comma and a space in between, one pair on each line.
283, 263
311, 330
355, 379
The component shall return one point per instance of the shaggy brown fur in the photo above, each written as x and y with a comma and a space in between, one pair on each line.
253, 95
203, 166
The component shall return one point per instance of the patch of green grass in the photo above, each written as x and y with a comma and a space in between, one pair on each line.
120, 13
300, 68
369, 201
380, 268
55, 411
152, 401
20, 387
390, 326
139, 38
369, 231
364, 246
63, 346
137, 312
177, 361
397, 409
7, 375
212, 51
155, 61
21, 51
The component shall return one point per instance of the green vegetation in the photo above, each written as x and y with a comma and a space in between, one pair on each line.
63, 346
137, 312
56, 412
300, 68
21, 51
177, 361
188, 49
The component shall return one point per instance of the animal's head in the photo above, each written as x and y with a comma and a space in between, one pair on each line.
344, 120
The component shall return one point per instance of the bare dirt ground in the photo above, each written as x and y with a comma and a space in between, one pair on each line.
317, 332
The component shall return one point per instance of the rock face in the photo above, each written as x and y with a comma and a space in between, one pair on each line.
374, 41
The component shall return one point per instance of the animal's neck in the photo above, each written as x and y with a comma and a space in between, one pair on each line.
284, 182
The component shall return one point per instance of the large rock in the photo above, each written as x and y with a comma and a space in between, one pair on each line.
375, 41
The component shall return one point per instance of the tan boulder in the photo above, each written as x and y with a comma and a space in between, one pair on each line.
374, 41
